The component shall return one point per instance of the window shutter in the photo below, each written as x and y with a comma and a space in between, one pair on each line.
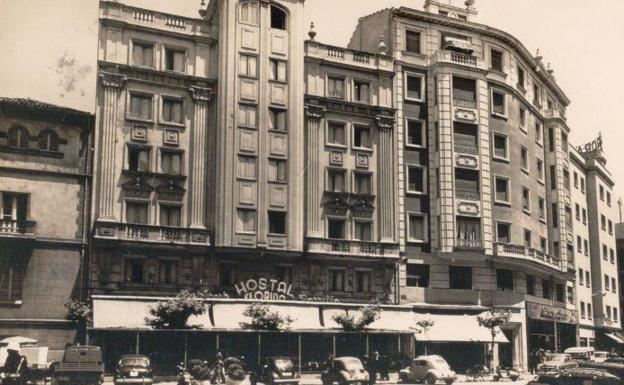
177, 112
146, 108
178, 61
281, 71
174, 216
143, 161
176, 161
148, 56
137, 54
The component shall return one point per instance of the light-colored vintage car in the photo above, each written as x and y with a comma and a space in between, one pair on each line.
429, 369
556, 362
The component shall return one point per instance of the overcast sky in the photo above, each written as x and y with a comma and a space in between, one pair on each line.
49, 50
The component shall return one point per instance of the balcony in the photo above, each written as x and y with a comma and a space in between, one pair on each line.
151, 233
525, 253
464, 103
352, 248
314, 49
16, 229
462, 149
469, 243
471, 195
458, 58
554, 114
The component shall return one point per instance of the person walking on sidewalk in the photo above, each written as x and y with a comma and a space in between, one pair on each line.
372, 368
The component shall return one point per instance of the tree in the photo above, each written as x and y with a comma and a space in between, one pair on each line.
368, 315
425, 325
493, 320
173, 313
262, 318
79, 312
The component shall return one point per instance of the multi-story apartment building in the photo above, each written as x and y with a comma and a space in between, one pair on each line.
619, 240
45, 171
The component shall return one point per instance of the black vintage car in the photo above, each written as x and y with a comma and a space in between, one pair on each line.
345, 371
577, 376
134, 369
276, 370
614, 368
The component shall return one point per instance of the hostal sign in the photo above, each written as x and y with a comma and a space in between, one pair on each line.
264, 289
551, 313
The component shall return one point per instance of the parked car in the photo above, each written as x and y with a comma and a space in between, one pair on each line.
344, 371
615, 368
81, 365
618, 360
555, 363
429, 369
577, 376
276, 370
601, 356
581, 353
133, 369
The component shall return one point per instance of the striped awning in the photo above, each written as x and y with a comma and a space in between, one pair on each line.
456, 328
229, 316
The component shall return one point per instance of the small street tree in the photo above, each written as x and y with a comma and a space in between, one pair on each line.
368, 314
262, 318
493, 320
174, 313
425, 325
79, 312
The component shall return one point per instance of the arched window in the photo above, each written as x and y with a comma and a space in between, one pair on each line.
278, 18
48, 140
18, 137
249, 12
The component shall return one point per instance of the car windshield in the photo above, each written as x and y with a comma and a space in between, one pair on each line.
352, 364
556, 357
283, 364
440, 363
134, 361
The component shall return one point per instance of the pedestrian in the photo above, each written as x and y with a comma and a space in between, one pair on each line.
372, 368
15, 366
218, 370
330, 361
384, 367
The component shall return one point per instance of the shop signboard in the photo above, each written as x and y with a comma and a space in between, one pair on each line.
551, 313
270, 289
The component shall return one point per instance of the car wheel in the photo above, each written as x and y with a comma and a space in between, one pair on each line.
449, 382
430, 379
403, 377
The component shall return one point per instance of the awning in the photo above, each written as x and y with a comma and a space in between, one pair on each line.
229, 316
456, 328
389, 320
131, 313
615, 338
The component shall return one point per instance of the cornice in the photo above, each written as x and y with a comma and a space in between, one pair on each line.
351, 67
154, 77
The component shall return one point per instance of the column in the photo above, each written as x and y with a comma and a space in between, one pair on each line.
197, 196
385, 179
112, 83
313, 174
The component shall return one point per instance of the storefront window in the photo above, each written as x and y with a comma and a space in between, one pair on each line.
336, 279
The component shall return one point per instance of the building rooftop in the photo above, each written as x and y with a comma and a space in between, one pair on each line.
20, 107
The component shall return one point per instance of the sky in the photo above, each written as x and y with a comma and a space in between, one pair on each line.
49, 50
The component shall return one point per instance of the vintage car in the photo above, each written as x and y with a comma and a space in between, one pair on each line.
133, 369
344, 371
429, 369
276, 370
614, 368
577, 376
556, 362
601, 356
81, 365
581, 353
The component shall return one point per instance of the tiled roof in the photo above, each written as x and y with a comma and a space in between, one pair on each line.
37, 105
29, 108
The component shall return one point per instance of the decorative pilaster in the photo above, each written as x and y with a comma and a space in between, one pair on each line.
112, 83
385, 179
314, 115
201, 97
445, 132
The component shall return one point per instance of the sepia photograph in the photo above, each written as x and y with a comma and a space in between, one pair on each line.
311, 192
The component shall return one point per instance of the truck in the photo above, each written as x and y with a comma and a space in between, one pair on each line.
81, 365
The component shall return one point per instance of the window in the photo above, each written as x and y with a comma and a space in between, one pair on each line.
284, 273
585, 247
361, 137
14, 207
143, 54
277, 222
615, 315
468, 232
277, 170
246, 220
502, 190
583, 185
553, 178
537, 95
11, 280
612, 256
523, 116
608, 313
247, 167
575, 178
496, 60
566, 180
336, 228
416, 228
526, 200
277, 70
541, 203
559, 293
247, 115
278, 18
498, 103
171, 162
570, 296
136, 212
608, 199
414, 86
543, 244
170, 215
18, 137
500, 147
582, 310
464, 92
584, 216
138, 158
417, 275
175, 60
362, 231
603, 223
460, 277
546, 289
336, 133
277, 119
579, 244
415, 133
527, 239
249, 12
521, 79
416, 179
140, 106
601, 189
538, 133
168, 271
362, 183
361, 91
335, 87
336, 279
605, 252
551, 140
335, 180
606, 282
173, 110
524, 159
503, 232
135, 270
577, 211
412, 41
504, 280
530, 283
613, 286
48, 140
362, 280
581, 277
590, 315
248, 66
227, 274
587, 279
555, 215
